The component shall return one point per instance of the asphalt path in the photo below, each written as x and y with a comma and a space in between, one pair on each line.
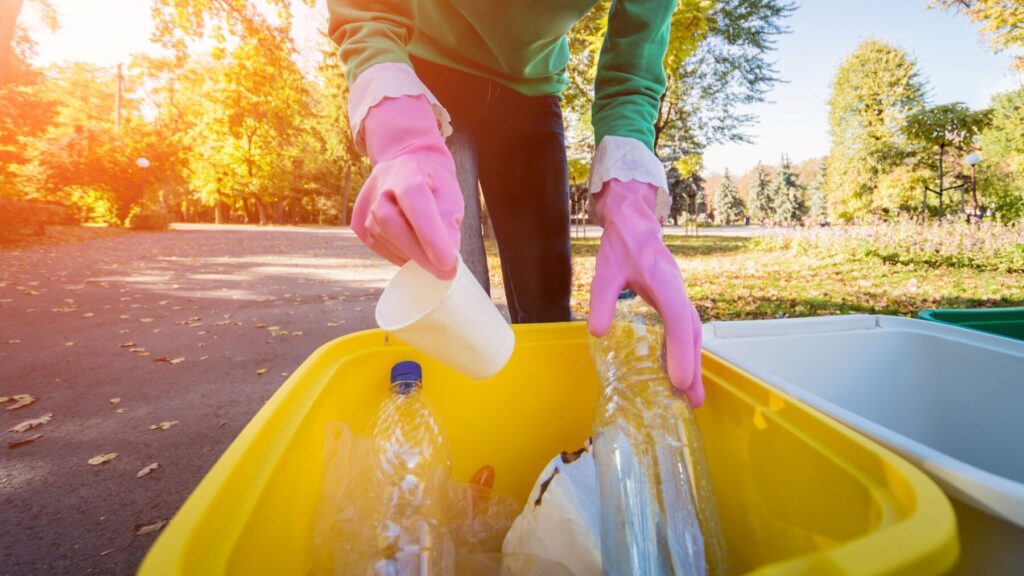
196, 326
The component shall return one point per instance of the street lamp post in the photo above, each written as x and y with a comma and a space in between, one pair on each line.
142, 162
973, 159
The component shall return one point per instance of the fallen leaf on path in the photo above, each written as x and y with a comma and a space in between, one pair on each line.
88, 315
296, 333
145, 319
107, 551
69, 343
166, 360
136, 349
163, 425
102, 458
119, 411
142, 354
147, 470
21, 400
128, 345
261, 371
261, 325
203, 357
24, 441
14, 341
178, 360
115, 400
30, 424
273, 328
142, 530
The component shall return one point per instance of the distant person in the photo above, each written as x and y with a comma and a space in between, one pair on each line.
446, 94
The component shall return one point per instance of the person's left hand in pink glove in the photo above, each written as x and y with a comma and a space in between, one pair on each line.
633, 255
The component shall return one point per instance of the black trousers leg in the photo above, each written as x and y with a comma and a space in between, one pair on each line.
525, 180
520, 153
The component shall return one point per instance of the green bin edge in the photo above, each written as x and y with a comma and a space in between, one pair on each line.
1006, 322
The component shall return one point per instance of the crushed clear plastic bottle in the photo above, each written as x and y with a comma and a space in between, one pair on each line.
658, 512
411, 473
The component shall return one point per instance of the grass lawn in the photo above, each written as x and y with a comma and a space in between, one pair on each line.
728, 280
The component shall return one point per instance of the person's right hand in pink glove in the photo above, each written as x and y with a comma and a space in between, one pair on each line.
410, 207
633, 255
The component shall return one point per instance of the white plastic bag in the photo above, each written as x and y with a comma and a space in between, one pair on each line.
561, 519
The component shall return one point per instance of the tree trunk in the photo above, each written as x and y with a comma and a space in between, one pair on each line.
250, 211
261, 211
9, 11
485, 218
942, 178
659, 124
346, 181
279, 212
218, 212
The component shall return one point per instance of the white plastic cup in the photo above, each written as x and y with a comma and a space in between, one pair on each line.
453, 321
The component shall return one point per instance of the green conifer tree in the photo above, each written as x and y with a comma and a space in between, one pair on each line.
819, 203
729, 207
788, 200
760, 199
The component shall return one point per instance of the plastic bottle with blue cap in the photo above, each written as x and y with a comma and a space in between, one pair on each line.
411, 473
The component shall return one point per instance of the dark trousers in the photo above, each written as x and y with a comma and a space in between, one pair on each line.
514, 146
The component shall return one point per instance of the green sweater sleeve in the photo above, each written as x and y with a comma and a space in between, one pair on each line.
370, 32
630, 71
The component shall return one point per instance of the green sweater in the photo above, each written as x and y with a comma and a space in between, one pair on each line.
520, 44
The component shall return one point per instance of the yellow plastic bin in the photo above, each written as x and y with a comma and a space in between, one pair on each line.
798, 493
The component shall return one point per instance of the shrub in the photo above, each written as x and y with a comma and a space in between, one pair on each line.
94, 205
148, 221
986, 246
30, 218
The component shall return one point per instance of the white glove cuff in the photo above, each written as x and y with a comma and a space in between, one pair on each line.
625, 159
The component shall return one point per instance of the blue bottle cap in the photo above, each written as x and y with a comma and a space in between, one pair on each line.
406, 371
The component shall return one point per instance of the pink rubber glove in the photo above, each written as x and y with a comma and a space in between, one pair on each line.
633, 255
411, 206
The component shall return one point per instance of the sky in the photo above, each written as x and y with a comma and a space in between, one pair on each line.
951, 56
107, 32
